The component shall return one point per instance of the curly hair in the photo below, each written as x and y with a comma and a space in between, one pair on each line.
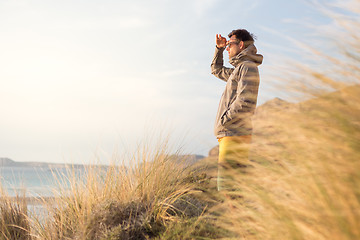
243, 35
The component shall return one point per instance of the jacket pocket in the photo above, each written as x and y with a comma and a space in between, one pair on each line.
224, 118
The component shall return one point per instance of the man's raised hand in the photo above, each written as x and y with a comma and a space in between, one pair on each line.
220, 41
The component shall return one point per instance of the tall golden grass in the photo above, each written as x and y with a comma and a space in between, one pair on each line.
14, 220
304, 179
135, 202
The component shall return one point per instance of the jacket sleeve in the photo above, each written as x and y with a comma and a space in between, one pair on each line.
244, 104
217, 65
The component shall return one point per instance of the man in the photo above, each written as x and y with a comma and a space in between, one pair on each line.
233, 126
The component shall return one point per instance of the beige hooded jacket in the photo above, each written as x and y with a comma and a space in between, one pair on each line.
238, 102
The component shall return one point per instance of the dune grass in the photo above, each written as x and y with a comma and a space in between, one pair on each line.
14, 220
135, 202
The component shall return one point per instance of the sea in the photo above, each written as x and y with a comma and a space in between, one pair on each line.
35, 183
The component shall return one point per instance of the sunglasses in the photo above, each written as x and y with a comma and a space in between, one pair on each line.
230, 43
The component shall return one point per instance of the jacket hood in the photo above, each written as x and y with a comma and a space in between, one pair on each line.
248, 54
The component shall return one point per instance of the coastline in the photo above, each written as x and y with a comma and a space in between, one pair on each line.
29, 200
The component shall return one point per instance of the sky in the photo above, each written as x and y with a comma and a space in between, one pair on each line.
82, 80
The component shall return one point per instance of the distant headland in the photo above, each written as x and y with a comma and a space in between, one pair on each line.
7, 162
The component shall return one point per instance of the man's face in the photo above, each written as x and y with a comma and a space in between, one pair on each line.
234, 46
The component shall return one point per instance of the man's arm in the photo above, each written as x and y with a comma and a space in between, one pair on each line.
217, 65
244, 104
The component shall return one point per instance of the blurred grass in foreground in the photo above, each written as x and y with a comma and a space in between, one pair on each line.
305, 178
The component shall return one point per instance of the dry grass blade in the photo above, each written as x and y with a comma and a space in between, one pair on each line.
14, 220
